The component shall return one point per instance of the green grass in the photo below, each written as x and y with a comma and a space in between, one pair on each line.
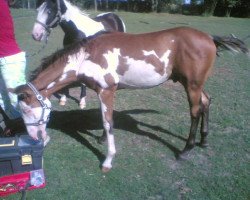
150, 126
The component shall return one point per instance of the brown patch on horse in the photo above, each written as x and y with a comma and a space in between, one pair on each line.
122, 67
159, 66
109, 79
59, 58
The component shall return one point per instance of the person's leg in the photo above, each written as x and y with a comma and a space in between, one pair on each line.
12, 74
2, 124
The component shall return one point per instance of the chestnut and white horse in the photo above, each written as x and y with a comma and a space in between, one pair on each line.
121, 60
76, 25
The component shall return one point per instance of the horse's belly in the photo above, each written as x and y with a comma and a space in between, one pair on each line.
143, 75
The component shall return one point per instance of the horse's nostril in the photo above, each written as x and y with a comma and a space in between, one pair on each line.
35, 36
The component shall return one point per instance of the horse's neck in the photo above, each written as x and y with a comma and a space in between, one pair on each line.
60, 73
49, 82
82, 22
72, 34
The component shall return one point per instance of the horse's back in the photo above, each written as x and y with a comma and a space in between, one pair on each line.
111, 22
149, 59
194, 54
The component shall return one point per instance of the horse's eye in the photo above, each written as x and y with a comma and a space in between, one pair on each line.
22, 96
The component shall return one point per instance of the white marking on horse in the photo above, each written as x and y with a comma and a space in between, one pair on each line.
38, 31
74, 61
94, 71
110, 137
98, 73
51, 85
112, 58
63, 77
101, 14
148, 53
81, 20
141, 74
165, 58
31, 115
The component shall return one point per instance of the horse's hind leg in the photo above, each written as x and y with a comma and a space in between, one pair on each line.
206, 101
82, 103
63, 98
194, 97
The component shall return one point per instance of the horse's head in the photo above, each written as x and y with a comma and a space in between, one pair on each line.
49, 16
35, 109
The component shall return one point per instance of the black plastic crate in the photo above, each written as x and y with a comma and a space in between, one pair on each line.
20, 154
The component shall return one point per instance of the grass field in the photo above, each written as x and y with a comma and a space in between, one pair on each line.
150, 127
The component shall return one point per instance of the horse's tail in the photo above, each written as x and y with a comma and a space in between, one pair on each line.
230, 43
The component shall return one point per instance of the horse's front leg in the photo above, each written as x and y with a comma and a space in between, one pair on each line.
106, 97
82, 103
64, 93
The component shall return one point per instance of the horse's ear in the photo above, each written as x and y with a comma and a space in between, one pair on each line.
39, 3
11, 90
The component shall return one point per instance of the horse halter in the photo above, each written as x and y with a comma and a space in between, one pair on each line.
57, 20
44, 106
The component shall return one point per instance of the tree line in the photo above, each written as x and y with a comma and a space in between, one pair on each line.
235, 8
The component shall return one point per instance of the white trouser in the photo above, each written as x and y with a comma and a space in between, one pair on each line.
12, 74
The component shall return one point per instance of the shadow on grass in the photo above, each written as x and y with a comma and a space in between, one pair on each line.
75, 121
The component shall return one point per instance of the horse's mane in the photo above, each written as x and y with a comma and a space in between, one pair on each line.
61, 54
75, 8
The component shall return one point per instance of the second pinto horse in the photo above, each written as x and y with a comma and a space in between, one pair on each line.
76, 25
121, 60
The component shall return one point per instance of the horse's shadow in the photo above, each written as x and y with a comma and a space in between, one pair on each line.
75, 121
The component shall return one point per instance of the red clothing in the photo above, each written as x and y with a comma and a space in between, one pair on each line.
8, 44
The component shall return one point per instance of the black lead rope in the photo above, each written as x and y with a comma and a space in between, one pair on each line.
24, 190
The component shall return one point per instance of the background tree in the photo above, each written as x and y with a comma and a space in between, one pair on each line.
209, 7
229, 5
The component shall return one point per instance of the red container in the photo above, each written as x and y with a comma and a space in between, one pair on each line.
21, 165
19, 182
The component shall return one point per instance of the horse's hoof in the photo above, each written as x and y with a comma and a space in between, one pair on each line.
182, 156
204, 144
82, 103
105, 169
62, 103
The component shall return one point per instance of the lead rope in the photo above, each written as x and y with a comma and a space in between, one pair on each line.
24, 190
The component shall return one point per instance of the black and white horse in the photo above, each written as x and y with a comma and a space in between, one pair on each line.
76, 25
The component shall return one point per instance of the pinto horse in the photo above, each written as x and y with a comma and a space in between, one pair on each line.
120, 60
76, 25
